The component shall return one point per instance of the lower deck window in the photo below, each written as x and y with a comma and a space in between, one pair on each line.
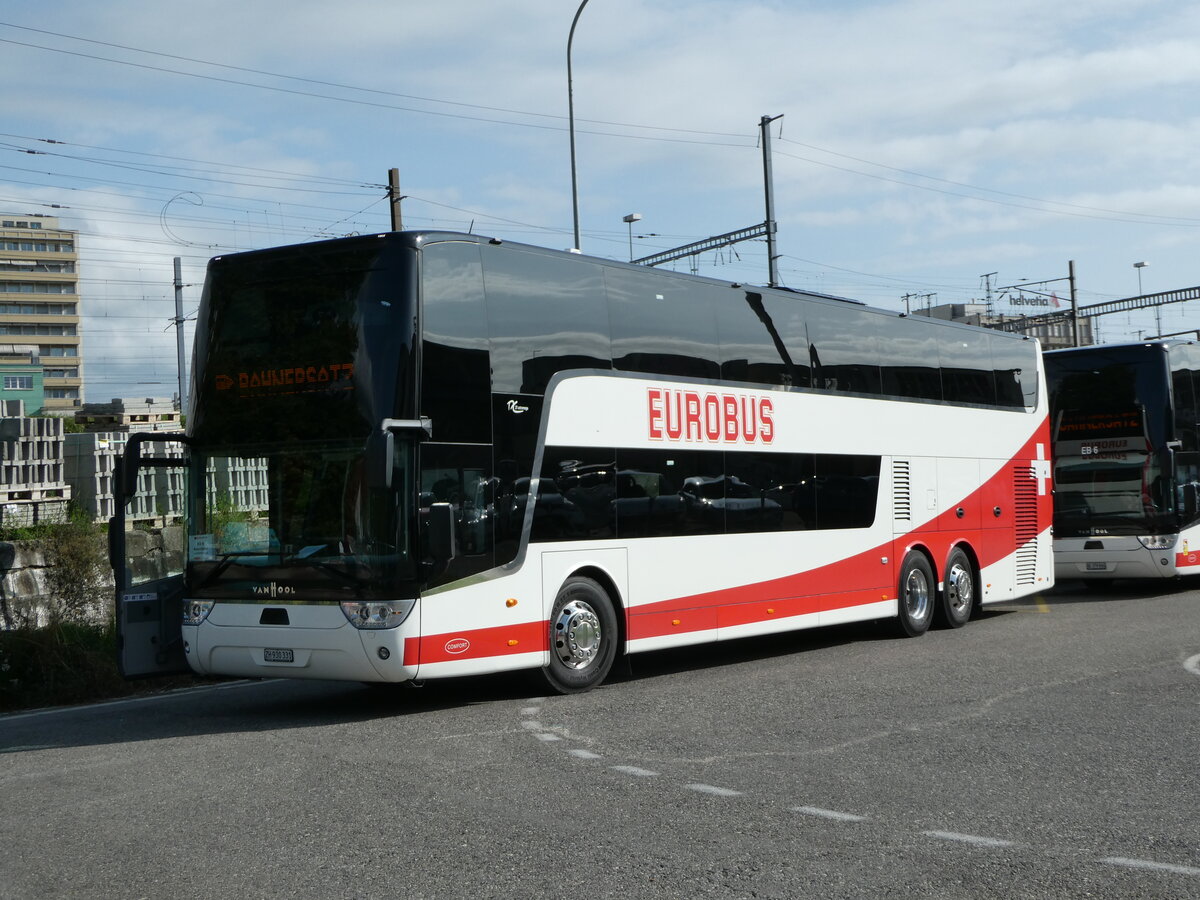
590, 493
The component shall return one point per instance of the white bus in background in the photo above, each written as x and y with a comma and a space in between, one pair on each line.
1126, 460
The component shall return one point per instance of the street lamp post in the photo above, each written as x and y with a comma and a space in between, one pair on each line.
571, 123
629, 220
1157, 312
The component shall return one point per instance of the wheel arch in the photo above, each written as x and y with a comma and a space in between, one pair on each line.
922, 548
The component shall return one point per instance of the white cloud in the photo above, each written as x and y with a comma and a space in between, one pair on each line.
1082, 103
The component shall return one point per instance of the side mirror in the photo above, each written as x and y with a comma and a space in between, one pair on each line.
116, 552
441, 533
127, 471
1191, 500
379, 457
131, 462
380, 448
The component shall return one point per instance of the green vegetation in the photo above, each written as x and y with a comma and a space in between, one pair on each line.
76, 563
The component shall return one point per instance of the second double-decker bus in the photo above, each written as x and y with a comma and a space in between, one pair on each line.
421, 455
1126, 459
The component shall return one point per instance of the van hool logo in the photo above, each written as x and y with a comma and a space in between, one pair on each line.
274, 590
458, 645
709, 418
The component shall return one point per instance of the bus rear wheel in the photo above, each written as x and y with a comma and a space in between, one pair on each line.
915, 597
583, 636
957, 599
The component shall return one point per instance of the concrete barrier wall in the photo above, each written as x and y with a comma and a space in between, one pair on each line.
24, 589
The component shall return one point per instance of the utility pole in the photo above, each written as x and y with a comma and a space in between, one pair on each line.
987, 291
769, 182
395, 198
179, 333
926, 297
765, 229
1074, 304
571, 125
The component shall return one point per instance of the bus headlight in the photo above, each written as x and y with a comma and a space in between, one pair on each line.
1158, 541
376, 613
196, 611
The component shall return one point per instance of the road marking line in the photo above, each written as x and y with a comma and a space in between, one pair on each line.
975, 839
1193, 664
1043, 606
715, 791
634, 770
531, 725
543, 736
1147, 864
530, 710
584, 754
828, 814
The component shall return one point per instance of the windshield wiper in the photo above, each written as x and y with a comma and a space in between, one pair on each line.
224, 562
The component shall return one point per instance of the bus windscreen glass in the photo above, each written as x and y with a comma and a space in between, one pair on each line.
300, 522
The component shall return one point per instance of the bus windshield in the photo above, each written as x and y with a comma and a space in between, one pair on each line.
299, 521
1111, 492
1110, 410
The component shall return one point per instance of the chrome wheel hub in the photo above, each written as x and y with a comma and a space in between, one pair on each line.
959, 589
916, 594
577, 635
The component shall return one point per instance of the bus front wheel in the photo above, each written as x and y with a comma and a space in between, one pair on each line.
915, 597
583, 636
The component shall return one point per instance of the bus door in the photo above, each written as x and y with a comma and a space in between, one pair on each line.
147, 552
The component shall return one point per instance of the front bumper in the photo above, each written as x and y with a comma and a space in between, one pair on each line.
1110, 557
317, 642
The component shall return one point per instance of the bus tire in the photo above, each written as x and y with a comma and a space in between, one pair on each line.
957, 598
915, 597
583, 636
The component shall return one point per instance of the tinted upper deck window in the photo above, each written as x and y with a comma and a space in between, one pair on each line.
911, 362
456, 370
1015, 366
664, 326
545, 314
787, 318
753, 349
844, 347
967, 375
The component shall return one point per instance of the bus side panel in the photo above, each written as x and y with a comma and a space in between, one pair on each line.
490, 625
1019, 558
998, 576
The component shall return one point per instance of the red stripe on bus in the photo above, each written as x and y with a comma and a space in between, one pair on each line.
476, 643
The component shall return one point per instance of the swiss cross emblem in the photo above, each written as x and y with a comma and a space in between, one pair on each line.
1041, 470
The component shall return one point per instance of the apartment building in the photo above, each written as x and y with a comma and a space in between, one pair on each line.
39, 307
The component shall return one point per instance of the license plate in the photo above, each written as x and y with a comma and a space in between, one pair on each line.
1091, 567
272, 654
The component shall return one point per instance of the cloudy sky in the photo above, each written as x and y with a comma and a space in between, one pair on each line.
923, 144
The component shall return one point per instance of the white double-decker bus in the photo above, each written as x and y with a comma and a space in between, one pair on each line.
1126, 460
423, 455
